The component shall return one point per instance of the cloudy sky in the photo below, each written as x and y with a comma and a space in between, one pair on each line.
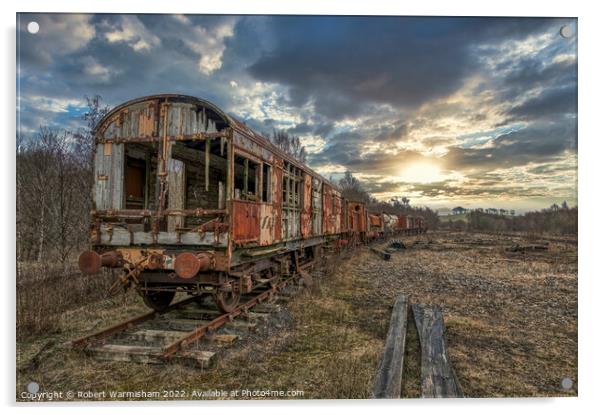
446, 111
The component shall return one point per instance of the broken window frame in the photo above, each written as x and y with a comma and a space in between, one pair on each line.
266, 183
122, 212
245, 193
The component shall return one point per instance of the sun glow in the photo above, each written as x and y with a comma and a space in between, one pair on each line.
422, 173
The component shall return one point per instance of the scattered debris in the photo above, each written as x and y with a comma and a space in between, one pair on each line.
383, 254
396, 244
527, 248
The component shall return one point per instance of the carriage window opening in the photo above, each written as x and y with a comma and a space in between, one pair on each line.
291, 185
245, 178
135, 189
266, 188
139, 171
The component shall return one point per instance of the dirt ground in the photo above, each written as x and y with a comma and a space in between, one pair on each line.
510, 317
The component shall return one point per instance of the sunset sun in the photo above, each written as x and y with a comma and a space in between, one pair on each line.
421, 173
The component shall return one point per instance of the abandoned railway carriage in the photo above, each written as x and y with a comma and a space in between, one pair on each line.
188, 198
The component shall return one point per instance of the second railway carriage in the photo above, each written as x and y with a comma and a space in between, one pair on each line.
375, 226
188, 198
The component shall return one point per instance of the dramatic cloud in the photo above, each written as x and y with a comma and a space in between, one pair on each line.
131, 31
446, 111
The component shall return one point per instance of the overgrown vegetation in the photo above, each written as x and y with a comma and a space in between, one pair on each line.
556, 220
54, 181
45, 292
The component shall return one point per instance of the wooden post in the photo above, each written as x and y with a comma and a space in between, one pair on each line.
438, 378
387, 384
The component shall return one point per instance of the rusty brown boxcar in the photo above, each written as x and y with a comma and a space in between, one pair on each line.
187, 198
375, 226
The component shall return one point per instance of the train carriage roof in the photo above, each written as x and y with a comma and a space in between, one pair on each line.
223, 120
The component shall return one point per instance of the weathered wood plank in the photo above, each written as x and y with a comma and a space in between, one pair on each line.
387, 384
108, 165
438, 377
121, 236
150, 355
177, 192
154, 336
117, 174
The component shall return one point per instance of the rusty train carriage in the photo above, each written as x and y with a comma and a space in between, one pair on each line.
188, 198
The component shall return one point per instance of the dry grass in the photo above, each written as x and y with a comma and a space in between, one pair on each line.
45, 291
511, 319
511, 324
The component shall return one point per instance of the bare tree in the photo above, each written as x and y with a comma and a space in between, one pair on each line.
290, 144
352, 188
54, 174
50, 194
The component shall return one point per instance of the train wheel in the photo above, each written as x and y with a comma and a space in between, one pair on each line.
158, 300
226, 300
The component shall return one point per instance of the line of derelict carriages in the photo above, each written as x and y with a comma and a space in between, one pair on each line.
187, 198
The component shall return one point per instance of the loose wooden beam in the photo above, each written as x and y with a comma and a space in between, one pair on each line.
387, 384
438, 377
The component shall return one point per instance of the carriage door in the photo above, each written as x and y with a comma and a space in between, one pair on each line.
246, 203
277, 199
306, 209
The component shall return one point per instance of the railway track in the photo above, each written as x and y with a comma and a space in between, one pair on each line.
191, 331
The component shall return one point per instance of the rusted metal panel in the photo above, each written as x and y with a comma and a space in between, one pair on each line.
402, 222
316, 205
333, 217
306, 222
246, 221
339, 214
328, 216
277, 199
356, 216
252, 147
375, 220
266, 235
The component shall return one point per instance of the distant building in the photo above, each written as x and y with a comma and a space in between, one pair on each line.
459, 210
